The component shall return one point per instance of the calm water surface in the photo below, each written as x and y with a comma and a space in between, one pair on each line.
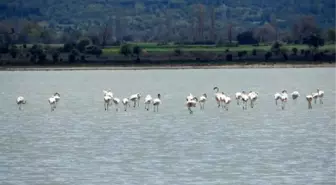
80, 143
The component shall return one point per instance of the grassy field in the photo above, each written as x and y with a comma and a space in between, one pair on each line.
153, 48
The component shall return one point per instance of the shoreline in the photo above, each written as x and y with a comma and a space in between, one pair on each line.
163, 67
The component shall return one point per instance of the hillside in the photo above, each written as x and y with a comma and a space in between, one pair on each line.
156, 19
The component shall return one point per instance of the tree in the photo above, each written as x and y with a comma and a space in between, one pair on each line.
265, 33
137, 50
106, 34
126, 49
246, 38
304, 27
82, 44
331, 35
314, 40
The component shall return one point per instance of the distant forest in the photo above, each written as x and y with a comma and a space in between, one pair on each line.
108, 21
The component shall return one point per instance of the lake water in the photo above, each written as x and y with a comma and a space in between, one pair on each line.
80, 143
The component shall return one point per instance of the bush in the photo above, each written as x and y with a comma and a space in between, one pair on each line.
268, 55
178, 51
276, 47
83, 58
71, 58
93, 50
302, 51
294, 50
67, 47
241, 54
126, 49
13, 51
254, 52
229, 57
55, 57
42, 58
82, 44
246, 38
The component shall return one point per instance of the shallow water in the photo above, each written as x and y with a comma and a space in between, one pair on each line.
80, 143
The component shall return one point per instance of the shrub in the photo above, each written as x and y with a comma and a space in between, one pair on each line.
229, 57
254, 52
13, 51
125, 49
82, 44
178, 51
93, 50
67, 47
71, 58
55, 57
83, 58
294, 50
42, 58
268, 55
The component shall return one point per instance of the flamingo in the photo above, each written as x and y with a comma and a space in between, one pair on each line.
135, 98
57, 97
244, 98
253, 96
277, 96
320, 95
218, 96
125, 102
190, 97
284, 98
226, 100
295, 95
107, 101
108, 93
52, 103
315, 96
238, 97
191, 103
20, 101
202, 100
309, 99
157, 102
116, 102
148, 101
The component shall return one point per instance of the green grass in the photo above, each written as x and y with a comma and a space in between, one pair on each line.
149, 47
154, 48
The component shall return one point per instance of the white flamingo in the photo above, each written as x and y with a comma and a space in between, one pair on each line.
277, 96
320, 95
295, 95
226, 101
135, 98
57, 97
284, 98
125, 102
157, 102
315, 96
107, 102
20, 101
148, 101
309, 99
238, 97
190, 97
116, 102
191, 103
108, 93
202, 100
52, 103
244, 98
218, 96
253, 96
